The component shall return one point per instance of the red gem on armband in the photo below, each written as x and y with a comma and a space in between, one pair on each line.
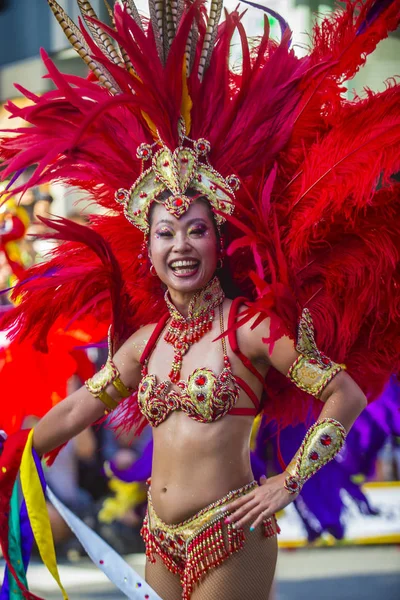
292, 485
314, 456
326, 440
200, 380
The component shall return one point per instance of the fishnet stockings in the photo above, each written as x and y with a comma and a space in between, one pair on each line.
246, 575
166, 584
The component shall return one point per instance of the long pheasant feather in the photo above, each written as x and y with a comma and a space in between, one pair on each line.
103, 41
211, 34
156, 8
132, 11
77, 41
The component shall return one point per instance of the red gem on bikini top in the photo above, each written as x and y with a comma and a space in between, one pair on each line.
204, 397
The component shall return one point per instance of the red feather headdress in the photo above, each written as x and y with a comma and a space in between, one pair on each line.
317, 216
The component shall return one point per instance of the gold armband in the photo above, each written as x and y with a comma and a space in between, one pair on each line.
312, 370
322, 442
109, 374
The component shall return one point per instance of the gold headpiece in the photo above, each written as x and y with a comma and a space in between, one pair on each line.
186, 167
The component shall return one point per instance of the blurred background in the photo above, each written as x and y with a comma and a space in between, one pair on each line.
342, 537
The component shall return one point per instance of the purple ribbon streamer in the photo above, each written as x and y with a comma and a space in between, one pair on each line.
282, 22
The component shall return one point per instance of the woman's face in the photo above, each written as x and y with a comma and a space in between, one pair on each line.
183, 251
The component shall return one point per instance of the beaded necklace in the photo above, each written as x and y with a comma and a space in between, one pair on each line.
183, 331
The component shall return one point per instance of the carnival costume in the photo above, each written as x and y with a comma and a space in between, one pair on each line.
299, 180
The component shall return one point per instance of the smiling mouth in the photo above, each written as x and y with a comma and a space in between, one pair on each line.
184, 268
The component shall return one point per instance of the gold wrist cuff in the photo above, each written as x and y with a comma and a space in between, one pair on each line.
312, 370
109, 374
321, 444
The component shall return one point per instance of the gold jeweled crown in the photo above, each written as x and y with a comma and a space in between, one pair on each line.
186, 167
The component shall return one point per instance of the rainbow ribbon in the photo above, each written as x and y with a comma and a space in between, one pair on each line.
17, 527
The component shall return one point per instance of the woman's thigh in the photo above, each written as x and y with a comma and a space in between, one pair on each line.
245, 575
166, 584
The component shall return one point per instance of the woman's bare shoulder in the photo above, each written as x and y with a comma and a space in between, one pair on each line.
139, 339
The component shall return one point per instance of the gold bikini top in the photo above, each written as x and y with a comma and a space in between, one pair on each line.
204, 397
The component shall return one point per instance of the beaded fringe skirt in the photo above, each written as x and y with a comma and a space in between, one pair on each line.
193, 547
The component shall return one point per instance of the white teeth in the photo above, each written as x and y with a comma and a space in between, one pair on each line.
183, 263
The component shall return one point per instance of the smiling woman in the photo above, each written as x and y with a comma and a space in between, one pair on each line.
177, 146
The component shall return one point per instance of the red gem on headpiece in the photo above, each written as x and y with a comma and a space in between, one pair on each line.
185, 160
234, 182
178, 202
314, 455
121, 195
213, 188
200, 380
203, 146
143, 151
201, 397
166, 163
142, 195
199, 178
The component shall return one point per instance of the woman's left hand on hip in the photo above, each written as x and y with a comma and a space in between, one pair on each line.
260, 504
